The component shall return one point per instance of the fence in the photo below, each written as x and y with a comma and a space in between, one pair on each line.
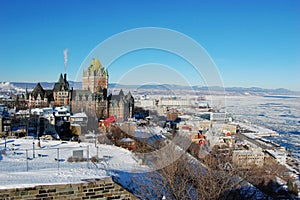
19, 159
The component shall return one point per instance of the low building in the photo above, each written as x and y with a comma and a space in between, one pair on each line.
80, 119
144, 103
172, 114
248, 158
128, 128
47, 122
128, 143
220, 116
121, 106
60, 95
226, 140
174, 102
224, 128
279, 156
5, 120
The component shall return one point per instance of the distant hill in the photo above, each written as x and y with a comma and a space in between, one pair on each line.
163, 87
45, 85
236, 90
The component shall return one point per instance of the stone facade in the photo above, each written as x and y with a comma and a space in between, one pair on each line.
121, 105
93, 99
95, 77
248, 158
60, 95
92, 189
61, 92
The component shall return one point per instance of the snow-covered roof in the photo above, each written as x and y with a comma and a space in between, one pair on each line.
127, 140
79, 115
36, 111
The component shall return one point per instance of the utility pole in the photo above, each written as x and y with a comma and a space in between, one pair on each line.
95, 135
97, 153
88, 155
27, 159
5, 142
58, 159
33, 149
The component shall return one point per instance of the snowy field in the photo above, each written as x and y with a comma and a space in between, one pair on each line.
49, 163
278, 113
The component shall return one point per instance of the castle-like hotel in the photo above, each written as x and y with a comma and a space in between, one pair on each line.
92, 99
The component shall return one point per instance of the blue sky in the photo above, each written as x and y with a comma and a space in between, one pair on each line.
253, 43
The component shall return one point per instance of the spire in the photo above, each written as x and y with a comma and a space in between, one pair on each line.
94, 68
96, 62
128, 96
26, 94
105, 72
61, 84
121, 93
61, 79
38, 89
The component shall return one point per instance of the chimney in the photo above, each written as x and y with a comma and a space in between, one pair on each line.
65, 77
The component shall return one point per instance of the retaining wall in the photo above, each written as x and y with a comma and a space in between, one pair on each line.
90, 189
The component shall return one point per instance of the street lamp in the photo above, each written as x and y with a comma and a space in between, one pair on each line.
33, 148
5, 135
5, 140
95, 135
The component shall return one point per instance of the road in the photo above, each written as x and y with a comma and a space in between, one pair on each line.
257, 143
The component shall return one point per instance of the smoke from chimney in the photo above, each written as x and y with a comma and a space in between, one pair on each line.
66, 58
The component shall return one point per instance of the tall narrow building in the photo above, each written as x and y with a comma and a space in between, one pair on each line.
92, 99
62, 93
95, 77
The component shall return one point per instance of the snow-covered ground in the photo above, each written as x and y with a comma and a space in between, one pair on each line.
17, 171
8, 87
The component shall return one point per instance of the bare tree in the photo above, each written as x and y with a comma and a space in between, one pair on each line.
186, 178
265, 177
178, 179
222, 181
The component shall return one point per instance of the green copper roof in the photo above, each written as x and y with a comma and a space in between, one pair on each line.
105, 72
95, 67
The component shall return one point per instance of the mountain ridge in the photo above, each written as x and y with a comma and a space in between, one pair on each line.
163, 87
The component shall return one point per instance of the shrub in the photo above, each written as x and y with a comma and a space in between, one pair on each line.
94, 159
72, 159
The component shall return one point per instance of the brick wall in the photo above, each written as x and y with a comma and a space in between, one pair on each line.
91, 189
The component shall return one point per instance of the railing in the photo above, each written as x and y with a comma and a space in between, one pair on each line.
15, 158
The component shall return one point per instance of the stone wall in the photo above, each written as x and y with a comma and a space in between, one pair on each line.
90, 189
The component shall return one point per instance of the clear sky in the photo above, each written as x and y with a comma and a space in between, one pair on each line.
252, 42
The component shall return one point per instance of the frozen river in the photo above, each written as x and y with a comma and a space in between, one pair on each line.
278, 113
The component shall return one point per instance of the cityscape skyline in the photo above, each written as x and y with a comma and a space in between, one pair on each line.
139, 99
253, 44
